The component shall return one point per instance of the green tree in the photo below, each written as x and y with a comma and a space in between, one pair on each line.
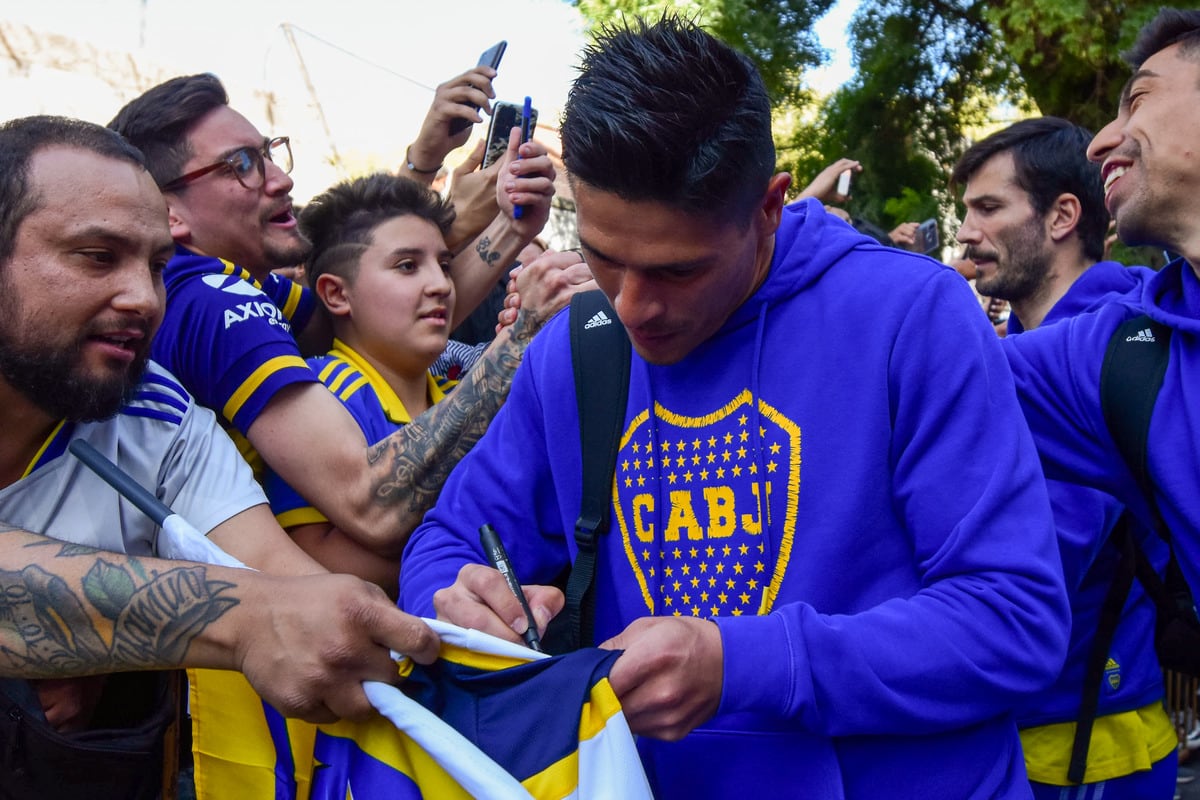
775, 34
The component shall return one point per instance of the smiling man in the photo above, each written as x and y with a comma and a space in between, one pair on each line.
821, 585
1151, 173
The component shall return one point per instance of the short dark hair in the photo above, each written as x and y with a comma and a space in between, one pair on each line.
669, 114
339, 221
1170, 26
21, 138
159, 120
1049, 157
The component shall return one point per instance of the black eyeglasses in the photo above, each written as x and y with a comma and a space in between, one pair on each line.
246, 163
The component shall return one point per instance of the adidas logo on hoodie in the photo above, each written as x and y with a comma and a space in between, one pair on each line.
1144, 335
597, 320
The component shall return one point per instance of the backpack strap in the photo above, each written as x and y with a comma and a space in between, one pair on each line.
600, 355
1131, 375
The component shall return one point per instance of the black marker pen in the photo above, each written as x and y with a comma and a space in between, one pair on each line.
499, 558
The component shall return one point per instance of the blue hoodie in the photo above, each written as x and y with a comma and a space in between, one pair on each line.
1084, 517
816, 478
1057, 371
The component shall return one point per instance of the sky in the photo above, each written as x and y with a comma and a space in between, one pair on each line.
350, 83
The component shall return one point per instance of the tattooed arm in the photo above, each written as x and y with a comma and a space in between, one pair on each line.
306, 644
527, 182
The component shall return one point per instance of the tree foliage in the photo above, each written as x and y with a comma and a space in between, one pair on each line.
776, 35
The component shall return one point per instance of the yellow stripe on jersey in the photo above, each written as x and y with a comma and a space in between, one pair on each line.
41, 450
295, 293
256, 379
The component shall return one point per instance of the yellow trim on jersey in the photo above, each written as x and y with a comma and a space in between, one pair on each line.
561, 777
256, 379
392, 407
306, 515
41, 450
1121, 744
295, 292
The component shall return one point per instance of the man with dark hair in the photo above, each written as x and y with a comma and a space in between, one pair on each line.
804, 605
1034, 226
229, 328
1147, 158
381, 268
82, 248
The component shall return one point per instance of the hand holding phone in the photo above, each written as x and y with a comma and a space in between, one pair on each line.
505, 117
490, 58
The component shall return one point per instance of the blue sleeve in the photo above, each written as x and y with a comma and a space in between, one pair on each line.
296, 301
989, 621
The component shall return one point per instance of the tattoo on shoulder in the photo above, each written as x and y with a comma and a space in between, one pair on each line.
484, 248
46, 627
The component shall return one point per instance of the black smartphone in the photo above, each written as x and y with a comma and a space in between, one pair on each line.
490, 58
505, 117
927, 237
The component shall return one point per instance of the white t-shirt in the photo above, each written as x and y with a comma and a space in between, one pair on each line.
168, 444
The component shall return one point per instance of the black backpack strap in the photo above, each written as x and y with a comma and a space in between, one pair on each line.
1106, 629
1130, 378
1131, 375
600, 355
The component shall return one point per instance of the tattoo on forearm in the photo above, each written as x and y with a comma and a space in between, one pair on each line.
48, 630
484, 248
412, 464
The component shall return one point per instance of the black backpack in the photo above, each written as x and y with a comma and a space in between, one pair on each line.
1130, 379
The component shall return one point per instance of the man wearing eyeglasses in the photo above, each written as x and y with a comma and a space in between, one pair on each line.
230, 325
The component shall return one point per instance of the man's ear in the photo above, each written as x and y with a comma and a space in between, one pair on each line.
332, 291
1064, 216
180, 230
774, 199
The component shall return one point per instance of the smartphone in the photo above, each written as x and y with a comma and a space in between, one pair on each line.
489, 58
505, 117
843, 184
927, 237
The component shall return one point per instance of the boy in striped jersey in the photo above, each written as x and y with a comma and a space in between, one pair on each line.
381, 267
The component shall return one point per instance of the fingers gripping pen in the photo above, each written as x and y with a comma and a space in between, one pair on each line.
496, 553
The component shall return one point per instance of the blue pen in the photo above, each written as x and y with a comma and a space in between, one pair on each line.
526, 117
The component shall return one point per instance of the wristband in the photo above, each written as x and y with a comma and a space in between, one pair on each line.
414, 168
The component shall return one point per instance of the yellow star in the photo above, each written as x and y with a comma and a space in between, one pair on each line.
712, 441
695, 611
686, 598
737, 471
695, 583
693, 552
668, 571
752, 583
712, 582
708, 551
686, 569
645, 555
730, 583
725, 550
628, 481
703, 474
714, 611
687, 476
775, 449
649, 463
641, 481
721, 566
676, 613
695, 460
637, 448
625, 465
704, 566
665, 446
704, 597
667, 600
743, 549
677, 552
741, 451
743, 436
758, 566
720, 472
772, 466
696, 444
724, 598
671, 477
745, 598
742, 419
737, 612
753, 467
680, 461
676, 585
737, 568
728, 437
680, 445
